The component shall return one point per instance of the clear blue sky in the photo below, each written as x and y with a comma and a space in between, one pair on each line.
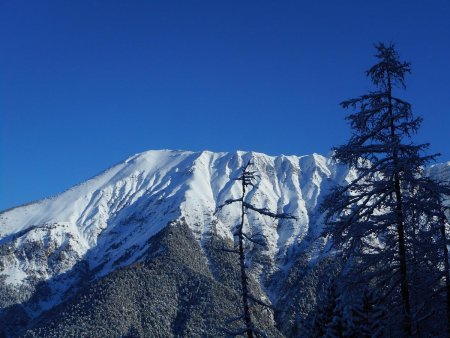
85, 84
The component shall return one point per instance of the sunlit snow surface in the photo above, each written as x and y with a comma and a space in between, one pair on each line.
109, 219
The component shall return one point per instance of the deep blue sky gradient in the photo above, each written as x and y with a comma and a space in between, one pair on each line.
85, 84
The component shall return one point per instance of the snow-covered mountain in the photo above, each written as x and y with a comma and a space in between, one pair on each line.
108, 222
111, 216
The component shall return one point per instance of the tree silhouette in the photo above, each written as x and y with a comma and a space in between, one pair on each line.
247, 179
389, 210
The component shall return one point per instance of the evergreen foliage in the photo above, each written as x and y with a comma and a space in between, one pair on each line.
368, 316
388, 220
336, 326
324, 313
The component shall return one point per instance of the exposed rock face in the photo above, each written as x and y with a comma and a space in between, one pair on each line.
136, 251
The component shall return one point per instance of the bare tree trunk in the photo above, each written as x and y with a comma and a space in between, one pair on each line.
400, 222
402, 257
246, 179
244, 278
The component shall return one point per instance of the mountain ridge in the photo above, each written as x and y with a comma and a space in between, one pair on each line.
107, 222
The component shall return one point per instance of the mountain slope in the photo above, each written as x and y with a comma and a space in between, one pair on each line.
117, 211
53, 251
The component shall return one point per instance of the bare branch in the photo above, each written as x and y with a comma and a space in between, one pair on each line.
227, 202
234, 319
267, 212
259, 302
252, 240
229, 250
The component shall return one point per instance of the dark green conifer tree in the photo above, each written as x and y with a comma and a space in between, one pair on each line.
373, 219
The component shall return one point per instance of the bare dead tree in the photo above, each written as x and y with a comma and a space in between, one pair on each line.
248, 180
